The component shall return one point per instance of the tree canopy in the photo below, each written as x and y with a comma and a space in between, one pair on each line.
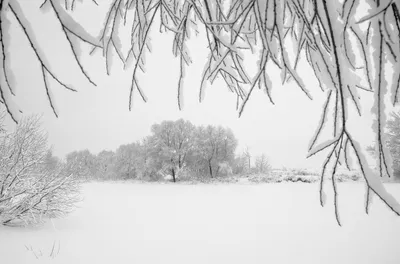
349, 45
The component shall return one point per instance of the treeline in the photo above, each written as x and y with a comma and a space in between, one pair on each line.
174, 149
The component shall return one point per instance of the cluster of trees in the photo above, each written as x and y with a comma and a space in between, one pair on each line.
33, 183
173, 149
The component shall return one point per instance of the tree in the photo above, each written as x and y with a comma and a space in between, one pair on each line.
127, 160
106, 164
50, 161
240, 164
31, 188
83, 164
335, 37
214, 146
173, 140
149, 164
247, 154
262, 165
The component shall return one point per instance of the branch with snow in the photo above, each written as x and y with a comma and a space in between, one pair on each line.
30, 189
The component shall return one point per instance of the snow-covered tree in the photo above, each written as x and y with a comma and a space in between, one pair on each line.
83, 163
127, 161
50, 161
214, 146
348, 44
173, 141
247, 154
105, 164
31, 188
240, 164
261, 163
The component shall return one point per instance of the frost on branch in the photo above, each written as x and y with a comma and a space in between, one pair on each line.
33, 185
22, 13
347, 44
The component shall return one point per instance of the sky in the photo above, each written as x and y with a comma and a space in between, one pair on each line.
98, 118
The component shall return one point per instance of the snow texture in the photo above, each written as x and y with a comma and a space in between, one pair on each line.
323, 145
6, 96
5, 29
7, 80
322, 121
73, 26
175, 223
41, 44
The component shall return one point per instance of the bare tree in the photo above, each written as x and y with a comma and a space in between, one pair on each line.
30, 189
331, 35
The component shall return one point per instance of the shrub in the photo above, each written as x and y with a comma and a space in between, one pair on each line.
30, 189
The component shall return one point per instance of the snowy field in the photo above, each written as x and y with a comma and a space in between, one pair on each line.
222, 223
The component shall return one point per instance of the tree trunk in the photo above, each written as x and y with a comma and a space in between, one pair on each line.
210, 168
173, 174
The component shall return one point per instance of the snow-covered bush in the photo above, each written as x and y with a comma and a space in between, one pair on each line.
30, 189
264, 178
296, 178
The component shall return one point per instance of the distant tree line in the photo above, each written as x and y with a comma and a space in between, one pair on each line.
173, 150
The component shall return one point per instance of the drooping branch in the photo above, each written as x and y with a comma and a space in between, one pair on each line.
70, 44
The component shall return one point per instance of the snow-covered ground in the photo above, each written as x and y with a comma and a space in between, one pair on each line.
221, 223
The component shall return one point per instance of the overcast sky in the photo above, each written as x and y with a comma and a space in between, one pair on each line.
97, 118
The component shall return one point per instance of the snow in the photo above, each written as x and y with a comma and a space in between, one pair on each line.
37, 32
168, 177
374, 181
71, 24
322, 122
223, 223
5, 35
323, 145
5, 92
